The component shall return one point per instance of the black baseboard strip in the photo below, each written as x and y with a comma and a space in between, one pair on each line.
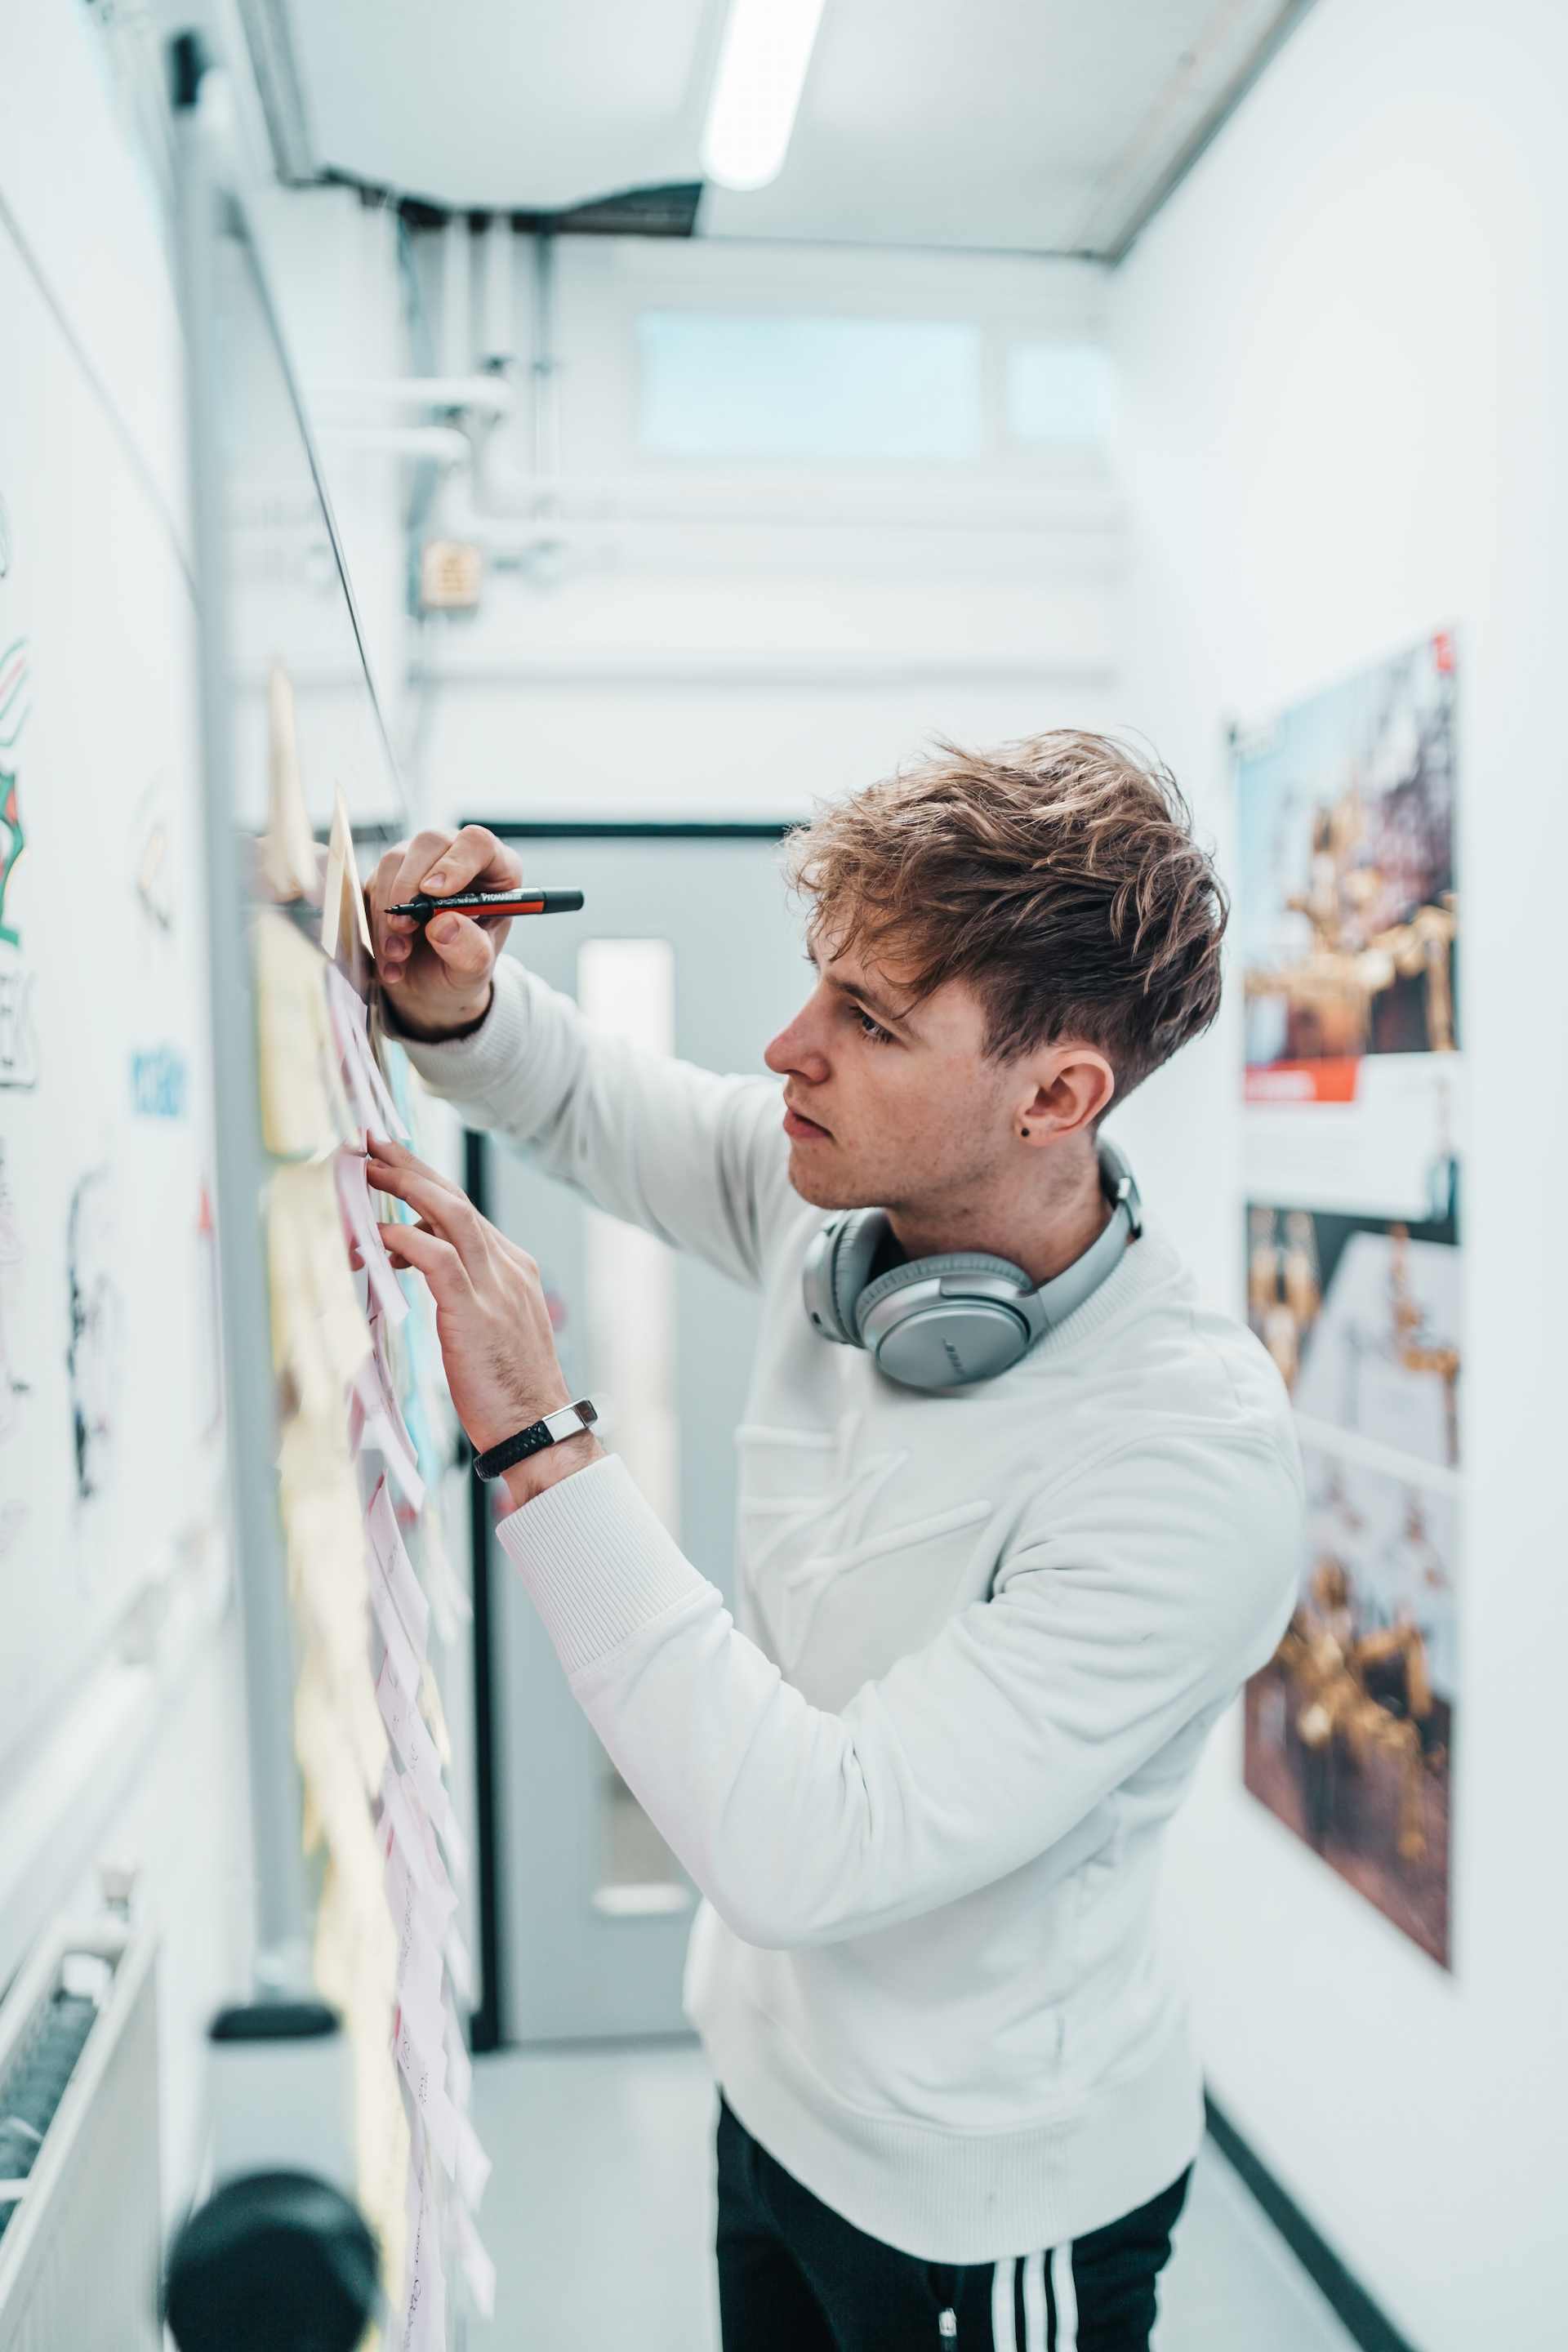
1349, 2301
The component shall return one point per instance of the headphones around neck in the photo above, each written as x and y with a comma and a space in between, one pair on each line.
942, 1322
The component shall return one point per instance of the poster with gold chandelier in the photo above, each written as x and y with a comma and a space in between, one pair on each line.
1348, 913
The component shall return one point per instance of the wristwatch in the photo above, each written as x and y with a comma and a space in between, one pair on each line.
565, 1422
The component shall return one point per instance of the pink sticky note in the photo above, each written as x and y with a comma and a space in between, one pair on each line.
390, 1555
353, 1193
375, 1420
392, 1122
418, 1961
410, 1735
389, 1625
400, 1805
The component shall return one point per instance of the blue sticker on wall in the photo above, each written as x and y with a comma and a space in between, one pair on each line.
159, 1085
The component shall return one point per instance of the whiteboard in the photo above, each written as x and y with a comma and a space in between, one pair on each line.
109, 1452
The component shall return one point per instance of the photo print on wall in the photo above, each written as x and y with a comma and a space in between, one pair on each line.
1354, 1089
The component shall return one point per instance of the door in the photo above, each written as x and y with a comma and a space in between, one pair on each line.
693, 946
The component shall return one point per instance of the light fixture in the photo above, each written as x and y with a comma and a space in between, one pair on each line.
762, 60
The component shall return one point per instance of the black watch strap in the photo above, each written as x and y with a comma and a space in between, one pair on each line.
564, 1422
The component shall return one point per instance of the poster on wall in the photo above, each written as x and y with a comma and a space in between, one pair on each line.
1347, 913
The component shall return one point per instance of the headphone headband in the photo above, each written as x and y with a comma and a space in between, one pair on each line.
966, 1316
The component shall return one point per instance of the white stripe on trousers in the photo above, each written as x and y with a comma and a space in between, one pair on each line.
1038, 2334
1004, 2334
1035, 2303
1065, 2290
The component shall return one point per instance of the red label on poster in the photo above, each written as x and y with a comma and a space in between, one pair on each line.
1304, 1082
1443, 653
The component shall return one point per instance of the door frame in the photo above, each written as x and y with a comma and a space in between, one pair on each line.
486, 2023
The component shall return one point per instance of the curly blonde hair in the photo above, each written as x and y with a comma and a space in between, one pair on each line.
1058, 876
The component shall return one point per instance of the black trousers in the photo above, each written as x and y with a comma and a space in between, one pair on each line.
793, 2276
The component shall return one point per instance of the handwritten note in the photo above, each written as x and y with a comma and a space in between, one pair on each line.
390, 1556
375, 1420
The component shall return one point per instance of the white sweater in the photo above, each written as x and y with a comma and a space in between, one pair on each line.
982, 1635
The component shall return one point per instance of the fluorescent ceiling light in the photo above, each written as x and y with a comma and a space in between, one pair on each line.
762, 60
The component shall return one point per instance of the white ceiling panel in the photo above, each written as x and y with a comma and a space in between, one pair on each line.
1025, 125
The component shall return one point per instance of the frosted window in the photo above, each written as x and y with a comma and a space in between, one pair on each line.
1061, 394
727, 385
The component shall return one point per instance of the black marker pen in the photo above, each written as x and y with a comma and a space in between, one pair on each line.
491, 902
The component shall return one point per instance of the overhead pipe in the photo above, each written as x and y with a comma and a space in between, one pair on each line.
497, 339
441, 444
457, 296
484, 394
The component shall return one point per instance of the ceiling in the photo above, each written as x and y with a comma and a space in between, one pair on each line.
1012, 125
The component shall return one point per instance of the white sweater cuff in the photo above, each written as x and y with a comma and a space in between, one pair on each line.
465, 1068
598, 1561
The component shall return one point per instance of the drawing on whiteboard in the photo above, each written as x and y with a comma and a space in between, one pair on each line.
13, 1387
159, 1081
19, 1034
152, 858
208, 1356
15, 705
18, 1037
94, 1353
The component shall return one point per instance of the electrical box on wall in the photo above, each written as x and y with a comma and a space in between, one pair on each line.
451, 573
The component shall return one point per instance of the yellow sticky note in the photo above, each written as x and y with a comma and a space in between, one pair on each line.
345, 891
289, 861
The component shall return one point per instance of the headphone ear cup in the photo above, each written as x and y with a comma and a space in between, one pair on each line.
852, 1255
924, 1269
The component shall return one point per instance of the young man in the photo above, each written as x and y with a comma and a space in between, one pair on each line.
1006, 1551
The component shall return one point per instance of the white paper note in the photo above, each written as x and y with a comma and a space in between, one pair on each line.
390, 1553
375, 1420
353, 1193
460, 2066
418, 1964
422, 2327
400, 1804
473, 2167
410, 1736
477, 2268
459, 1965
389, 1625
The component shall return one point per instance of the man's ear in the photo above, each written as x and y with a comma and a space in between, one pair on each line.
1073, 1086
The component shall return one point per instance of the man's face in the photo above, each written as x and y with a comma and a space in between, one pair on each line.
886, 1108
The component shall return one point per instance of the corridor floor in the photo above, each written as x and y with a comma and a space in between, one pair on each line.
599, 2218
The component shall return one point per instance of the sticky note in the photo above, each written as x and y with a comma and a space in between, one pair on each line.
352, 1171
390, 1556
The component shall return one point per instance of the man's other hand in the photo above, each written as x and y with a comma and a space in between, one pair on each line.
437, 975
498, 1346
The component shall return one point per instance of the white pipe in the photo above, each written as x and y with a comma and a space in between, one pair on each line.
488, 395
442, 443
497, 338
457, 296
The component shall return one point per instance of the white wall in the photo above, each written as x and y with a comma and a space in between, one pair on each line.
147, 1766
1344, 344
730, 640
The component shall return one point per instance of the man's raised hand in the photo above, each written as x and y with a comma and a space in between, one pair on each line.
437, 975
